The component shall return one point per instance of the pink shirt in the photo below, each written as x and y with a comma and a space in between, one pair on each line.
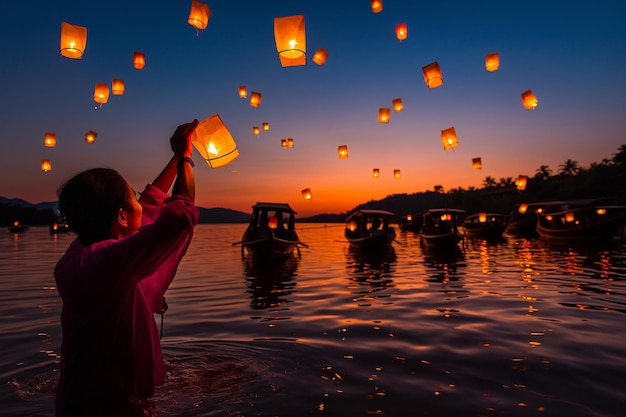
110, 290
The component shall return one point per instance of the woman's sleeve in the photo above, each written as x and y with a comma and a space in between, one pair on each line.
151, 200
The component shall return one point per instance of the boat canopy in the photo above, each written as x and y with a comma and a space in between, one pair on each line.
284, 207
369, 213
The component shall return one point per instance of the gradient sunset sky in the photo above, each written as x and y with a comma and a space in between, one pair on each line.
572, 55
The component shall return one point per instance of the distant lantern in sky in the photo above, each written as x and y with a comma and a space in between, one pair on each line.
117, 86
342, 151
320, 56
377, 6
139, 60
290, 40
283, 143
290, 142
50, 139
266, 126
101, 93
376, 173
243, 92
255, 99
449, 139
397, 104
90, 137
402, 31
383, 114
256, 130
45, 165
492, 62
214, 142
521, 181
529, 100
306, 193
432, 75
73, 40
396, 173
199, 15
477, 163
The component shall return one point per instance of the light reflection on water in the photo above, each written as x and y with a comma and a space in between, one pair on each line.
512, 327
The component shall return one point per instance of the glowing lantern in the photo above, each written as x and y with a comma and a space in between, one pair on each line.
477, 163
482, 217
397, 105
73, 40
90, 137
396, 173
255, 130
199, 15
352, 225
569, 217
522, 208
401, 31
383, 114
101, 93
432, 75
449, 139
409, 217
273, 222
255, 99
290, 40
601, 211
50, 139
492, 62
446, 217
214, 142
290, 143
376, 173
549, 217
139, 60
283, 143
521, 181
266, 126
342, 151
529, 100
117, 87
243, 92
377, 6
320, 56
45, 165
306, 193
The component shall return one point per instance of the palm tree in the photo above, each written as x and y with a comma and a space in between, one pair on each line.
438, 188
489, 182
619, 158
543, 172
506, 181
569, 167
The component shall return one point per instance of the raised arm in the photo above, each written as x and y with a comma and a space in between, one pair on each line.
182, 147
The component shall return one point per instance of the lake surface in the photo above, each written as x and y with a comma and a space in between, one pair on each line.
512, 328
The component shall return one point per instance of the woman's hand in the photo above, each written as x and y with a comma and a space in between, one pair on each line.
181, 139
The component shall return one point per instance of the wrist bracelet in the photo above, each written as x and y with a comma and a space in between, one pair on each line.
184, 159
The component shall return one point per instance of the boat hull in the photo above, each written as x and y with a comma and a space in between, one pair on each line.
269, 248
600, 232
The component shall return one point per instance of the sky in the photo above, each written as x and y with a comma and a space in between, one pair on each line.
571, 54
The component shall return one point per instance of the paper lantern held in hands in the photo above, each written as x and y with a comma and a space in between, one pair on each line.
214, 142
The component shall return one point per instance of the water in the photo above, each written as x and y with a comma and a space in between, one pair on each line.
508, 328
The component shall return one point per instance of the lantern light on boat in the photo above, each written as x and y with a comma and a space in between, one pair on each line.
320, 56
402, 31
376, 173
266, 126
45, 165
477, 163
432, 75
117, 86
199, 15
521, 181
529, 100
482, 217
377, 5
342, 151
101, 93
290, 40
352, 225
449, 139
492, 61
539, 210
290, 142
273, 222
306, 193
255, 99
569, 217
243, 92
397, 105
409, 217
601, 211
139, 60
549, 217
214, 142
255, 130
522, 208
446, 217
50, 139
396, 173
90, 137
73, 40
383, 114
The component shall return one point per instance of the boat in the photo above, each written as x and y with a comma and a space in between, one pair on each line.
485, 225
271, 234
440, 228
18, 227
60, 227
370, 230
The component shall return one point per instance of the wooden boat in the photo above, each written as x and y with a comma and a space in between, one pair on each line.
485, 225
582, 225
17, 227
60, 227
369, 230
440, 227
271, 234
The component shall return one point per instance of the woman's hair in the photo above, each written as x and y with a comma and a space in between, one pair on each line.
90, 202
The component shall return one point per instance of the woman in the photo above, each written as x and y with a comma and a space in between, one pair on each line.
112, 279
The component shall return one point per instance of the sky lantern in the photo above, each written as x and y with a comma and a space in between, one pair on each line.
377, 6
45, 165
320, 56
243, 92
342, 151
529, 100
117, 86
432, 75
521, 181
283, 143
266, 126
290, 142
383, 114
90, 137
396, 173
50, 139
101, 93
397, 105
73, 40
477, 163
256, 130
199, 15
290, 40
523, 208
449, 139
482, 217
139, 60
306, 193
255, 99
492, 62
402, 31
214, 142
376, 173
